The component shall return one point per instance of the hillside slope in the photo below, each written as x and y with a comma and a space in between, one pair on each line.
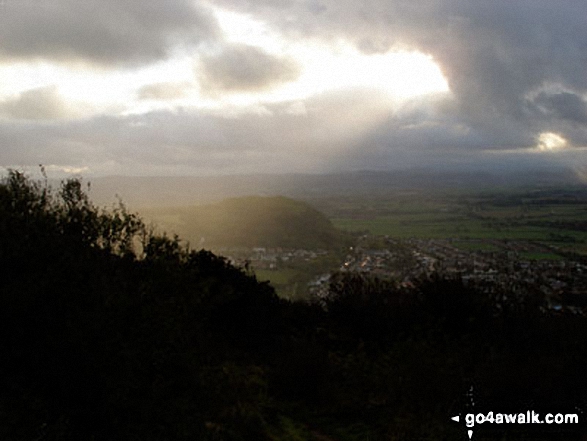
252, 221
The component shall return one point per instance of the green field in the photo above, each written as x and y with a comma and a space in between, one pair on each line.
404, 227
542, 216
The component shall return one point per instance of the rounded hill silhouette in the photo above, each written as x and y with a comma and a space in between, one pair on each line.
257, 221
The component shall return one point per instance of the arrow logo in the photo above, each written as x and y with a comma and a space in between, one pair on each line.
457, 419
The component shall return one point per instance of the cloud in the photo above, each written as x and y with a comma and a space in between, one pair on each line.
516, 70
245, 68
163, 91
192, 142
188, 142
67, 169
549, 142
105, 32
43, 103
492, 52
297, 108
562, 106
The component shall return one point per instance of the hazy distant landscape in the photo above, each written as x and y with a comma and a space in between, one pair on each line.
540, 216
162, 191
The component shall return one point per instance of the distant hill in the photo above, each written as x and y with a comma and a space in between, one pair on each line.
252, 221
168, 191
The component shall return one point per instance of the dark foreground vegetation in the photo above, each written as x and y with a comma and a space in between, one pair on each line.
111, 332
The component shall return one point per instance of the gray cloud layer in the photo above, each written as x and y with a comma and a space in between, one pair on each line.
323, 140
36, 104
245, 68
563, 106
107, 32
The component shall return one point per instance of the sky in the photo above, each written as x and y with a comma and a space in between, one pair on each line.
182, 87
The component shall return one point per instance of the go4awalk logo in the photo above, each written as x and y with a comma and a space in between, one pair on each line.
528, 417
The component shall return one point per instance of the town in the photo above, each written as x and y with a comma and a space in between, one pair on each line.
517, 268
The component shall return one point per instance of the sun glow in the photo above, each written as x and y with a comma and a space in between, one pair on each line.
549, 141
399, 74
336, 66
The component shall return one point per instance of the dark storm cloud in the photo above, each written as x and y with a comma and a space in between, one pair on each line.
36, 104
107, 32
563, 105
245, 68
493, 52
